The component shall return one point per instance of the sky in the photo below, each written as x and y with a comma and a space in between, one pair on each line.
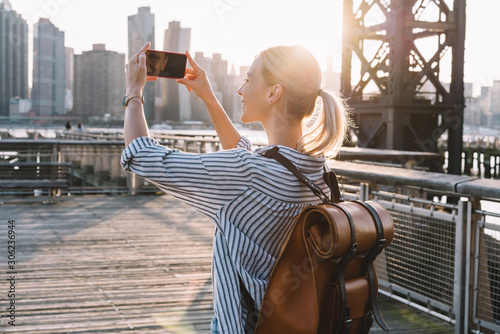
240, 29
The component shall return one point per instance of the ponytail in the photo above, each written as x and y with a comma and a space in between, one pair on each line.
301, 84
328, 130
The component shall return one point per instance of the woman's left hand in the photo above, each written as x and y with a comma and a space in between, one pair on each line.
196, 80
136, 72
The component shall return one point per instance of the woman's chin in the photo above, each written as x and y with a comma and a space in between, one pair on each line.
248, 117
244, 118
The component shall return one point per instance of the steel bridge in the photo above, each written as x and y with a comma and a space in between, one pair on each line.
394, 57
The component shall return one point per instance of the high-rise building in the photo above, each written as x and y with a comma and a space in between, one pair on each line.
228, 84
219, 72
141, 29
485, 105
6, 4
472, 110
19, 107
234, 83
49, 69
495, 97
224, 85
331, 79
13, 57
70, 66
495, 103
99, 83
198, 109
176, 103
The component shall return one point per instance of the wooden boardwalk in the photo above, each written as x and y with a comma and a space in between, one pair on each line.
121, 264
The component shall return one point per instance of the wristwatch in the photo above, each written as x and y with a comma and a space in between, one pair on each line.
126, 100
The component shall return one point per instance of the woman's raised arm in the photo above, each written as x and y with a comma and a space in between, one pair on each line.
196, 80
135, 123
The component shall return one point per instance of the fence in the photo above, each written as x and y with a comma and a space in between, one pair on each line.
480, 157
96, 165
484, 270
482, 161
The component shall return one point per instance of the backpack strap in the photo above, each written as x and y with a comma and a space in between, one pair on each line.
345, 326
369, 258
331, 181
253, 315
273, 153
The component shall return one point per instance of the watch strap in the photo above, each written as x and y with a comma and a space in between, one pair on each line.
128, 98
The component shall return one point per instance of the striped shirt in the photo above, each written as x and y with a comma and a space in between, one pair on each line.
253, 201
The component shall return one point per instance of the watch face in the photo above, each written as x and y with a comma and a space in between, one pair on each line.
124, 102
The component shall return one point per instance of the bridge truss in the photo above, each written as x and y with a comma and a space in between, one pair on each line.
403, 50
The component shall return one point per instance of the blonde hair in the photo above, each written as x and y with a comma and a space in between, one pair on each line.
298, 72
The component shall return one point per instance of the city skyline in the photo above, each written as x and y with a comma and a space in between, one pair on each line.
240, 29
91, 85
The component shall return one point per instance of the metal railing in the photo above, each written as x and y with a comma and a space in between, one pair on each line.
482, 161
96, 165
445, 257
484, 269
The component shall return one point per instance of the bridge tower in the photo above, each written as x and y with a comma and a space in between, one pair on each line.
409, 55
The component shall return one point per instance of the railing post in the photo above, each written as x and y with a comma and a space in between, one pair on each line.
132, 184
364, 191
468, 265
459, 275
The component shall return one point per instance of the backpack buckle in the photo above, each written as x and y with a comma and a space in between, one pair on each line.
346, 327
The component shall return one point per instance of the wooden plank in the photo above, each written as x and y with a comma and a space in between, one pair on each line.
112, 266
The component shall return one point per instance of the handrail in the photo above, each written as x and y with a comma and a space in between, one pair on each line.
346, 153
55, 142
455, 184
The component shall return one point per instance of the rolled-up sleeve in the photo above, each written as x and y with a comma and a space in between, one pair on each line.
244, 143
204, 181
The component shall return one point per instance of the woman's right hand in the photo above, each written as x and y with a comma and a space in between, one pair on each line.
136, 72
196, 80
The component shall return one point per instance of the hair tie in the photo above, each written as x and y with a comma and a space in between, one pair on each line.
319, 92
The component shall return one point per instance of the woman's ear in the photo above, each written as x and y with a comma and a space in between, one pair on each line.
275, 93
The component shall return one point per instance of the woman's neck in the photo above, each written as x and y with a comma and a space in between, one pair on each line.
284, 134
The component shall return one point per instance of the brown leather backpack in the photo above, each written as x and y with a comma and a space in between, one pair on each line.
324, 280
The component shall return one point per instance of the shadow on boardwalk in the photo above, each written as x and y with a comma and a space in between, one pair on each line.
120, 264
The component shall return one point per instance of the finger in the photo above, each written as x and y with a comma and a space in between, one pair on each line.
192, 62
142, 59
151, 78
143, 49
185, 82
189, 70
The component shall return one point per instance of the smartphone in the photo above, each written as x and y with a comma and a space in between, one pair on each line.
166, 64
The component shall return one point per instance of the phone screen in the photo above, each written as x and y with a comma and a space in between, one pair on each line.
166, 64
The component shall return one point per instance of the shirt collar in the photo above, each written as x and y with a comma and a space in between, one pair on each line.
306, 163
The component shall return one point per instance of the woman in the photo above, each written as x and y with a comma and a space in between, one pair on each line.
253, 200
